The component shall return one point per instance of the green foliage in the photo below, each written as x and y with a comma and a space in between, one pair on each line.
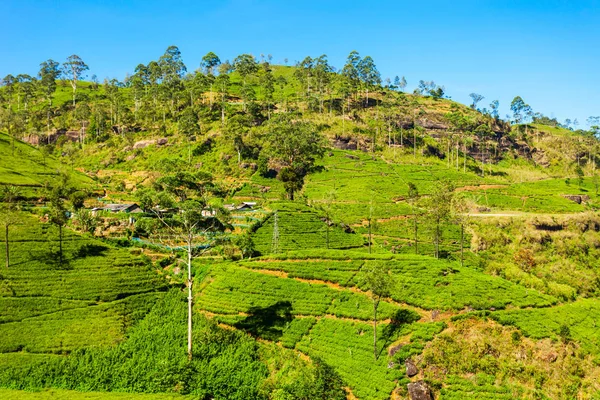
419, 281
231, 290
301, 227
577, 320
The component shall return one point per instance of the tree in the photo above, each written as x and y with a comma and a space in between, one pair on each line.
87, 220
267, 81
188, 122
172, 71
517, 106
494, 105
413, 197
350, 70
400, 83
8, 215
222, 81
327, 209
245, 65
49, 73
476, 99
379, 282
483, 131
190, 226
460, 213
368, 74
209, 62
236, 130
439, 210
57, 214
74, 68
295, 145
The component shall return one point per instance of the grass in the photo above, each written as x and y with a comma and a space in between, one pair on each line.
28, 169
88, 300
348, 347
575, 321
60, 394
233, 290
301, 227
420, 281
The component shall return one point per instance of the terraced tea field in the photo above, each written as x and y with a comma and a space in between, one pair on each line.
88, 300
316, 302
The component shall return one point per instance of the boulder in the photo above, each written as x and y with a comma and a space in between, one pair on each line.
427, 124
411, 368
577, 198
550, 357
130, 157
344, 144
162, 141
419, 391
143, 143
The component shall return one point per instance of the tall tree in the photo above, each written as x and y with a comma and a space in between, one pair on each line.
57, 214
402, 84
173, 69
351, 71
267, 81
74, 69
517, 106
295, 145
369, 75
48, 75
210, 62
379, 282
476, 98
413, 197
190, 226
223, 82
245, 65
8, 215
494, 106
323, 73
439, 210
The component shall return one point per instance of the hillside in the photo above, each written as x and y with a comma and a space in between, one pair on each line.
309, 206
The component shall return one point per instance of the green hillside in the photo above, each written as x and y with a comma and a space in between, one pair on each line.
32, 169
345, 239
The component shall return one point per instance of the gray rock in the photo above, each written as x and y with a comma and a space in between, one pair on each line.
143, 143
411, 368
162, 141
419, 391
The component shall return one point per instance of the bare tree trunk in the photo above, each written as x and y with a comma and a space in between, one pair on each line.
370, 235
416, 238
7, 248
375, 328
437, 240
462, 243
189, 285
60, 244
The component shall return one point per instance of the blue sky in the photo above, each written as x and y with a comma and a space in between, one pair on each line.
545, 51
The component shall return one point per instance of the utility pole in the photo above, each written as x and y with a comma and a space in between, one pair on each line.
275, 240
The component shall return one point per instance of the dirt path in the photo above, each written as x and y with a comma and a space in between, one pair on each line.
479, 187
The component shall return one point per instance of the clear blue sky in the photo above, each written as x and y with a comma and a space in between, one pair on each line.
545, 51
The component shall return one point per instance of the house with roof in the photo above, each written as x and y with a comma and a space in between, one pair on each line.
129, 208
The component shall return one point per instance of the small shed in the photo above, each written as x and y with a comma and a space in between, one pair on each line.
246, 205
